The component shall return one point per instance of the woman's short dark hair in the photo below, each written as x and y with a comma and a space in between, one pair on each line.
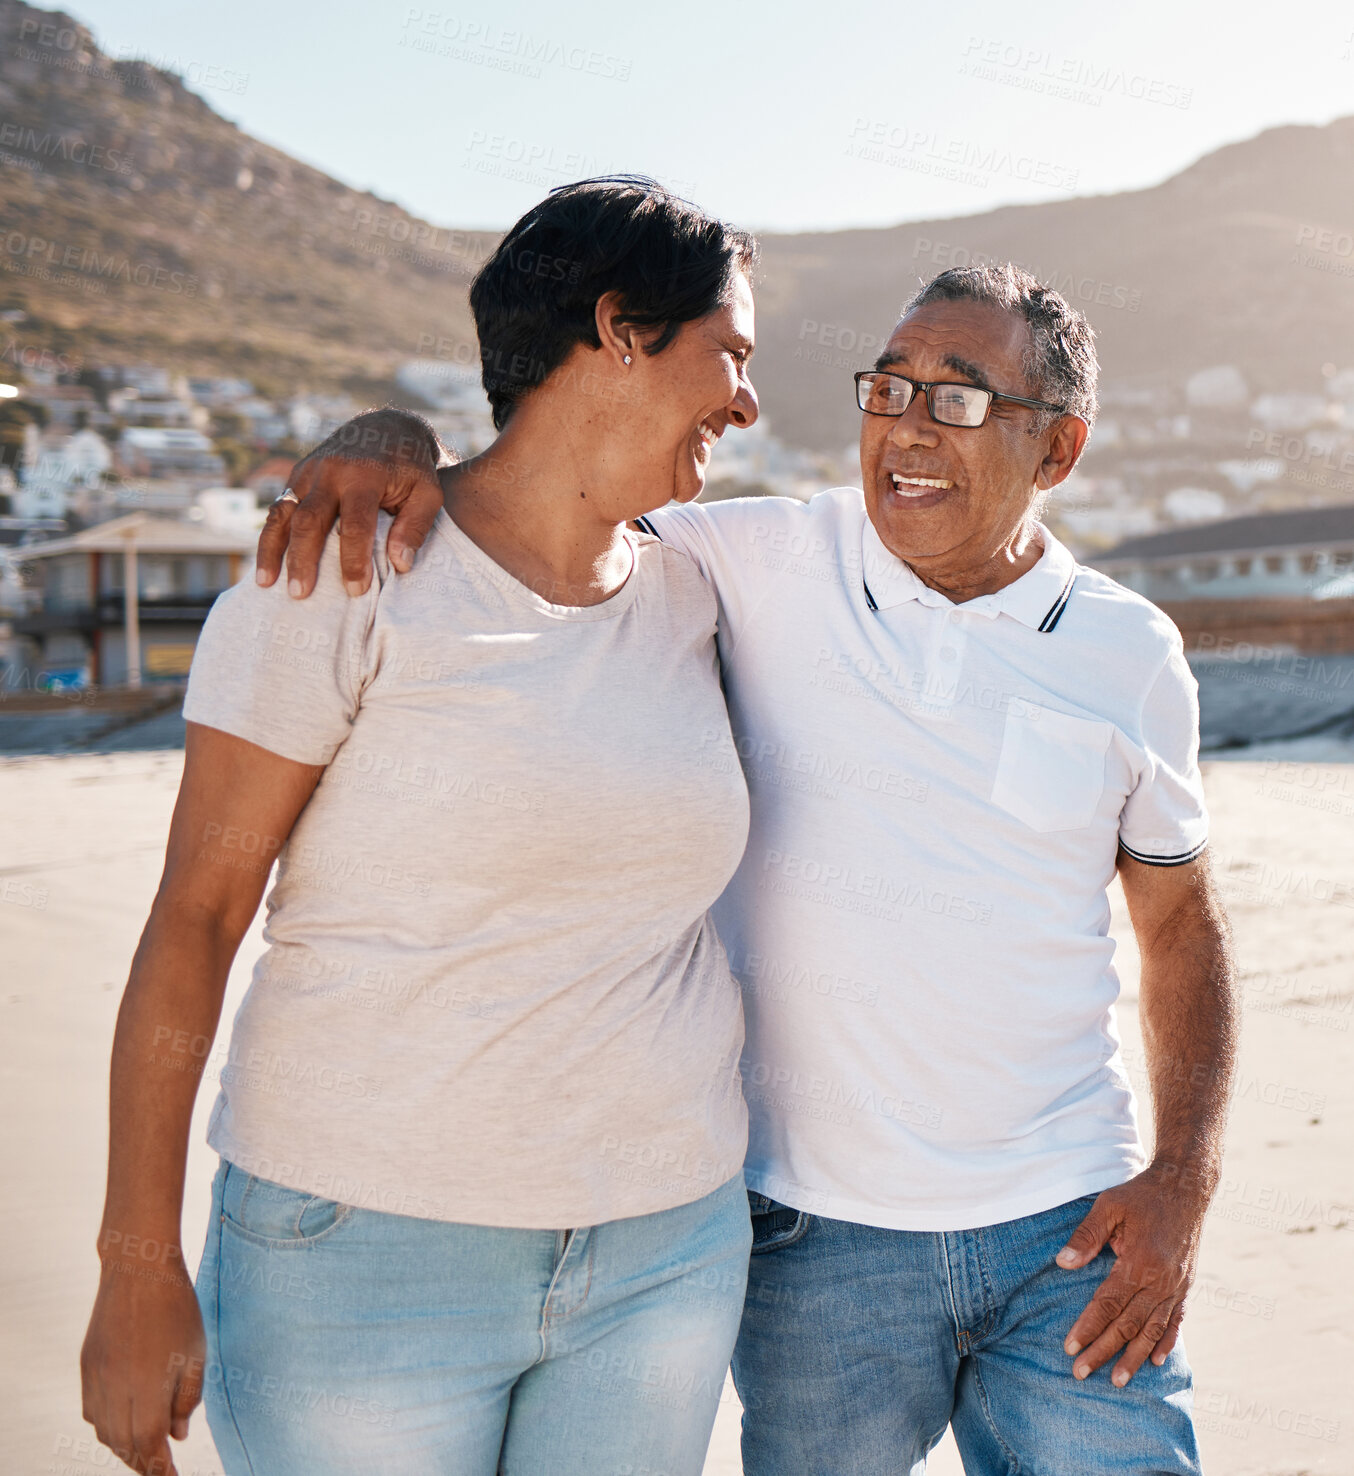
536, 296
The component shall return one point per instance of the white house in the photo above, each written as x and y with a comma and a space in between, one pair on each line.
1221, 387
55, 466
1270, 556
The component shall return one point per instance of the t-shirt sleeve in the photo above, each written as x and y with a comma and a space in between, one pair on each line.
1165, 820
724, 539
282, 673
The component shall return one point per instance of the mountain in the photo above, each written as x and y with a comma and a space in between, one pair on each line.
139, 223
1244, 258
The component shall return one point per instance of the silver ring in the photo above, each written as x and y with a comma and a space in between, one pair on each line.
288, 496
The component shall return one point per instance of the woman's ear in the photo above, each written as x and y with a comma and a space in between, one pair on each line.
619, 339
624, 341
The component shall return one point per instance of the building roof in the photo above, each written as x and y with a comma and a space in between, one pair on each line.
150, 535
276, 468
164, 437
79, 394
1302, 528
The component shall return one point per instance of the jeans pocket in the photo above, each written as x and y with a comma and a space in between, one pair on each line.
273, 1215
775, 1225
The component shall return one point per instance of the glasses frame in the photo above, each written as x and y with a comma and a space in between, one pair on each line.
929, 389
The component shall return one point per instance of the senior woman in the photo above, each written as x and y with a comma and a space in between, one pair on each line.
480, 1204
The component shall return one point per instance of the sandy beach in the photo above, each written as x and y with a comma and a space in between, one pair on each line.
1269, 1330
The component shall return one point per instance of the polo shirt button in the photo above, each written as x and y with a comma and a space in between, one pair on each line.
948, 653
955, 617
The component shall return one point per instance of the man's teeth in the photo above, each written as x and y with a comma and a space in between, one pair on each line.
902, 483
707, 435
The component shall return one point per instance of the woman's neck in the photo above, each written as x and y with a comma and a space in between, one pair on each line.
534, 503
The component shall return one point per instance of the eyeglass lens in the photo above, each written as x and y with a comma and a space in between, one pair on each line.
951, 404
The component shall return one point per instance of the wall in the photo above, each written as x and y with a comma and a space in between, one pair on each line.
1218, 627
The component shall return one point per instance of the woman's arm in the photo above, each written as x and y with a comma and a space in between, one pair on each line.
142, 1360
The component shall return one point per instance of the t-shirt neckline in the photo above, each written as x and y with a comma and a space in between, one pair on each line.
471, 553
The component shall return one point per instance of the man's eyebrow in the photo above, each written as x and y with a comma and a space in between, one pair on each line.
967, 368
956, 362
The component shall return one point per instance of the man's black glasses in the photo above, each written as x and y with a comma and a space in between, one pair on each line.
880, 392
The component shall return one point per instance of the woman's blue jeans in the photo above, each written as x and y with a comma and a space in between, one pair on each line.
346, 1340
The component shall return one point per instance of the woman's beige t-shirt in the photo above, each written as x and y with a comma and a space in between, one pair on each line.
491, 992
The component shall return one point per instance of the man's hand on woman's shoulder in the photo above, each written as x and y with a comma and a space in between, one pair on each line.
381, 460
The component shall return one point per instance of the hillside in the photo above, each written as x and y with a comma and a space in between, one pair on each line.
1246, 257
140, 223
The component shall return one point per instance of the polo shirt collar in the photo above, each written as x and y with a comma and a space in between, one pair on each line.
1036, 599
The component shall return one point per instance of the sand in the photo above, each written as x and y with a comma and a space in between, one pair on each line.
1270, 1327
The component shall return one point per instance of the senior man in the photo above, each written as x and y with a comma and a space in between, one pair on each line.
954, 736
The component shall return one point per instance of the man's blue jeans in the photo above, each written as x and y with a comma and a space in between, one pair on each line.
349, 1342
859, 1346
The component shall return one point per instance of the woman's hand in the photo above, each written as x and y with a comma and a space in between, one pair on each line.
142, 1362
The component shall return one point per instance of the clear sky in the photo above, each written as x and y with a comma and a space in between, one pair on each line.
784, 116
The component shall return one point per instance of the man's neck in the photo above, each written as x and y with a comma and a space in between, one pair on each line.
970, 580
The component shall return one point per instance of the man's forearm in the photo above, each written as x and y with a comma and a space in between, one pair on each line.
1189, 1022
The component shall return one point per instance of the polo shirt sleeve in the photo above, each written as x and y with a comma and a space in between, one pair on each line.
285, 674
1164, 820
722, 539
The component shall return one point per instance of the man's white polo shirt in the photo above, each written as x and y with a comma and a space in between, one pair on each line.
919, 923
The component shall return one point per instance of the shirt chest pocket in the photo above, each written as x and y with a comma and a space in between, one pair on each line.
1051, 771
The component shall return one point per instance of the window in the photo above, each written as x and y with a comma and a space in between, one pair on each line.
66, 583
155, 577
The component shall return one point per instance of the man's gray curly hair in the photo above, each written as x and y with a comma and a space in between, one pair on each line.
1060, 363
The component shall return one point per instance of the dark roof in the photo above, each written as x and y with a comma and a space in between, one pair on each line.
1308, 526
